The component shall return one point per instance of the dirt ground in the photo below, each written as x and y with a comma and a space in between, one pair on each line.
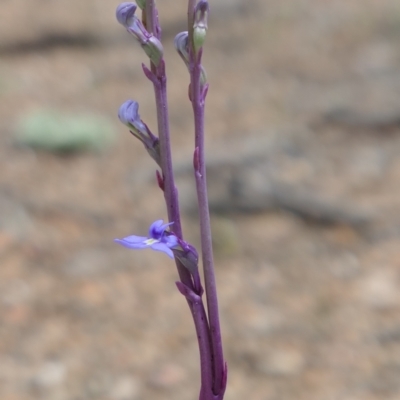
303, 125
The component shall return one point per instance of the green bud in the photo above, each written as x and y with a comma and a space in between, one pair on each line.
141, 4
200, 24
154, 50
150, 44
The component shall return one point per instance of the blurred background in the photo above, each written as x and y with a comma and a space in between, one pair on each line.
303, 137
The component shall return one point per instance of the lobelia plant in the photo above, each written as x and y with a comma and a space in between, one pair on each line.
168, 238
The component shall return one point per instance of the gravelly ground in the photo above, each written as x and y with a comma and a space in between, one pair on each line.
303, 136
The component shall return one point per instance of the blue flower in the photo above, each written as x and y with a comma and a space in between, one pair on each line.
159, 239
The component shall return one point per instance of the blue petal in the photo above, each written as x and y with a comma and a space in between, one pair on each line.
135, 239
164, 248
132, 245
170, 240
155, 230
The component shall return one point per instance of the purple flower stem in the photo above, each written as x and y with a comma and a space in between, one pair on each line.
203, 338
197, 96
157, 76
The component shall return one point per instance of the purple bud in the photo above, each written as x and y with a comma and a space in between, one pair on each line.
150, 44
137, 29
200, 24
125, 13
128, 114
181, 43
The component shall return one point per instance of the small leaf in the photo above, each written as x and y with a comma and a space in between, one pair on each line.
55, 131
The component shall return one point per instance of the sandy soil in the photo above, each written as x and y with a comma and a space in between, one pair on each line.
303, 126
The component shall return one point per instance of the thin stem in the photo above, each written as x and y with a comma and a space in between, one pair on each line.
160, 91
203, 338
171, 198
197, 97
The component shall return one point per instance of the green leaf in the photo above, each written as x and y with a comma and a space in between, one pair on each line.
59, 132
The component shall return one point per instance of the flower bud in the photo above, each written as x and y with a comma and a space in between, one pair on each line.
128, 114
181, 43
141, 4
200, 24
125, 13
150, 44
137, 29
154, 50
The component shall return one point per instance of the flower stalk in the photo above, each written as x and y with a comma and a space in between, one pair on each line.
198, 91
168, 238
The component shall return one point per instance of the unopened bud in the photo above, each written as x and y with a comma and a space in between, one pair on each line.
181, 43
154, 50
128, 114
141, 4
137, 29
150, 44
200, 24
125, 13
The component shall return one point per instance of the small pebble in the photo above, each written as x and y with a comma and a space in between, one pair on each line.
283, 362
380, 290
167, 376
50, 374
125, 388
